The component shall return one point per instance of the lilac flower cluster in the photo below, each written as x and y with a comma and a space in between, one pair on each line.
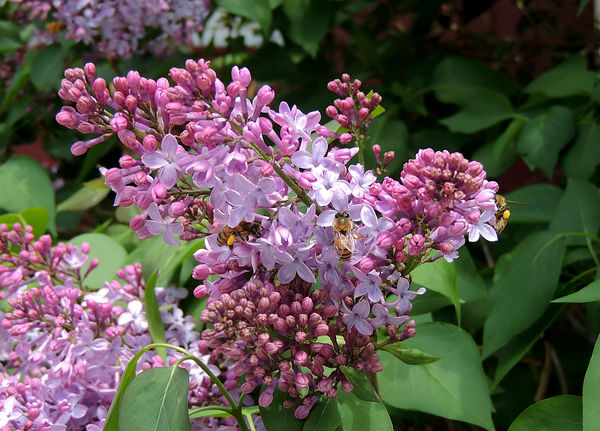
64, 349
119, 28
302, 248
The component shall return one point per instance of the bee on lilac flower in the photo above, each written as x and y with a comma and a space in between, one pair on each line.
55, 26
503, 212
343, 238
243, 231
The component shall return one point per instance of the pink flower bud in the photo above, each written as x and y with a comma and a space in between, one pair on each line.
137, 222
159, 192
78, 148
177, 209
266, 169
446, 247
200, 291
131, 103
128, 138
67, 117
133, 78
388, 157
265, 95
385, 240
331, 111
363, 113
347, 386
265, 399
301, 357
345, 138
119, 122
322, 329
415, 245
90, 70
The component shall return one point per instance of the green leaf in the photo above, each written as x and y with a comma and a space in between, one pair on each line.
541, 201
156, 399
591, 392
91, 194
360, 415
7, 45
454, 387
257, 10
155, 323
583, 156
25, 184
34, 217
12, 218
569, 78
323, 416
561, 413
48, 66
216, 413
495, 162
110, 255
439, 276
457, 80
504, 144
481, 112
37, 218
277, 418
308, 22
429, 302
152, 253
582, 5
112, 417
9, 29
470, 282
522, 343
363, 389
175, 260
19, 80
524, 283
578, 210
411, 356
589, 293
542, 138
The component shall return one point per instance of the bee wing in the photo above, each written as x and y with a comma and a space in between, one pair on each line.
519, 204
346, 240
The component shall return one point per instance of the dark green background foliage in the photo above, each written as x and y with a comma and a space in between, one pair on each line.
510, 84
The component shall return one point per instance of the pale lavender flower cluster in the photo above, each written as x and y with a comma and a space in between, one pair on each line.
302, 247
64, 349
120, 28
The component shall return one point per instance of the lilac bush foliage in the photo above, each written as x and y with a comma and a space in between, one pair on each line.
64, 348
120, 28
293, 300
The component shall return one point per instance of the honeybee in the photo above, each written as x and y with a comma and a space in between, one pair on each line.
343, 238
502, 213
242, 231
55, 26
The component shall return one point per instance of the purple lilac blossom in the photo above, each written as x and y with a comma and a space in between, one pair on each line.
119, 28
64, 348
263, 187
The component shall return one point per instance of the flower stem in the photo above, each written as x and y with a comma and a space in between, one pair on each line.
289, 181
